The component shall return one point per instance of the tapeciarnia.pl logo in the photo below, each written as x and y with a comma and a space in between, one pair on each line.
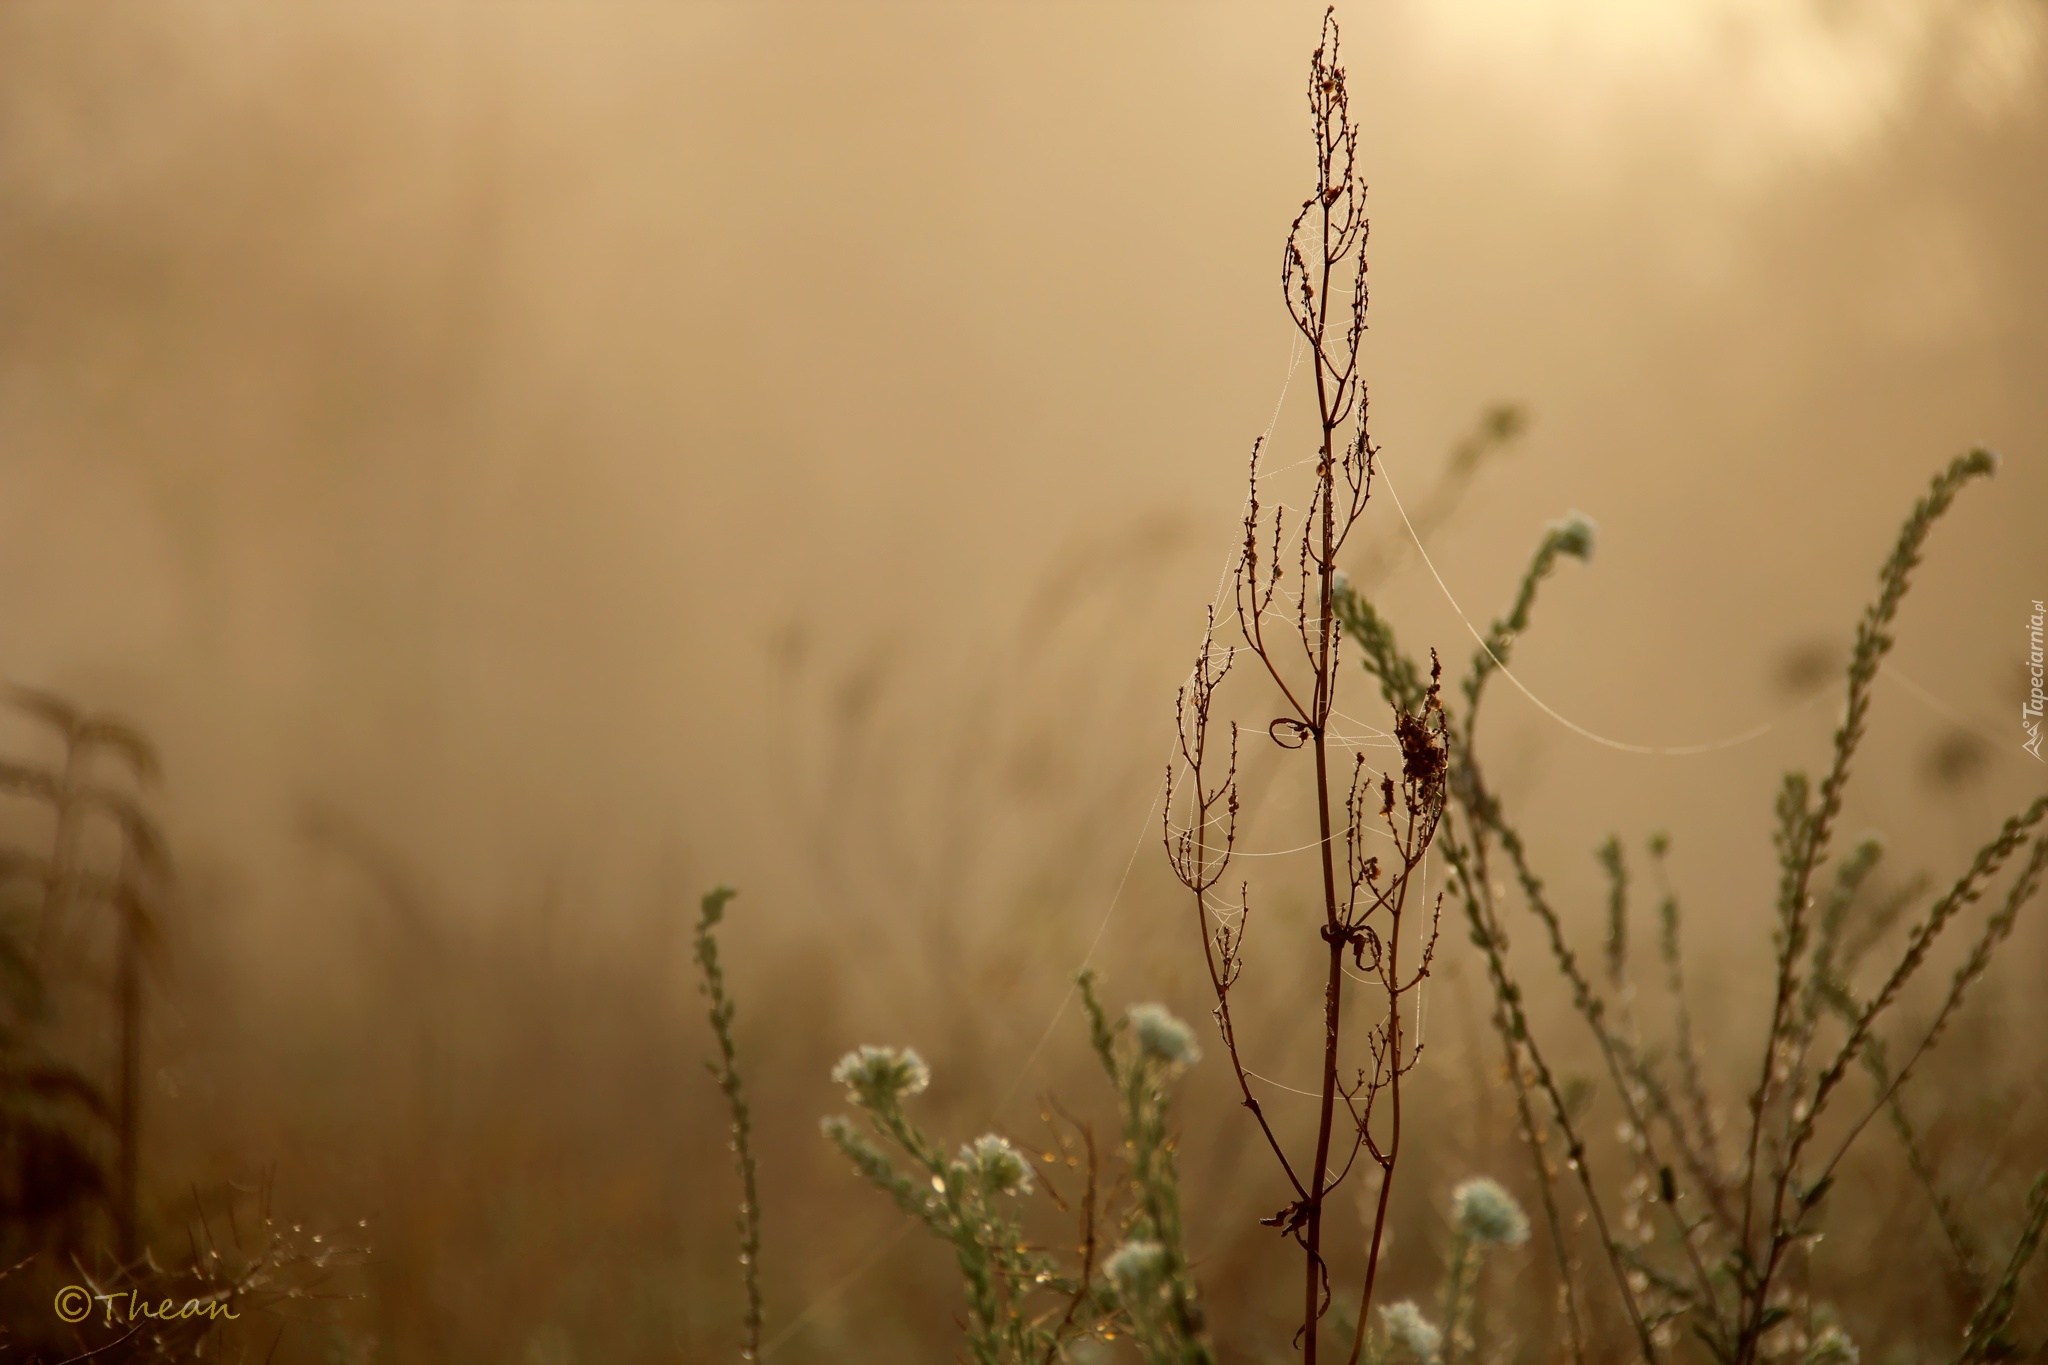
2030, 709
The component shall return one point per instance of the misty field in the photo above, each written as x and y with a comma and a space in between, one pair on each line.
905, 683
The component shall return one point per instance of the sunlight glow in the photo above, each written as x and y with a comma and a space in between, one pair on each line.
1805, 76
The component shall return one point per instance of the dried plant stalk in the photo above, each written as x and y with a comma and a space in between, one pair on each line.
1286, 615
726, 1072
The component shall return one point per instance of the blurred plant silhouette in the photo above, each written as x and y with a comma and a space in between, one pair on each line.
80, 918
1708, 1239
79, 922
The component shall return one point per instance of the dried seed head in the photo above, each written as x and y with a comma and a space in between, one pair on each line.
1423, 757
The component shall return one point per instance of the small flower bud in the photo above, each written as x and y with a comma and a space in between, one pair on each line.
1574, 536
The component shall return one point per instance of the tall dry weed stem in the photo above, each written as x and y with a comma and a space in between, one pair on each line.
1285, 610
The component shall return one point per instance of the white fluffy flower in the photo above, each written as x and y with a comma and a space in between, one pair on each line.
1487, 1214
999, 1167
1136, 1268
880, 1075
1163, 1036
1408, 1330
